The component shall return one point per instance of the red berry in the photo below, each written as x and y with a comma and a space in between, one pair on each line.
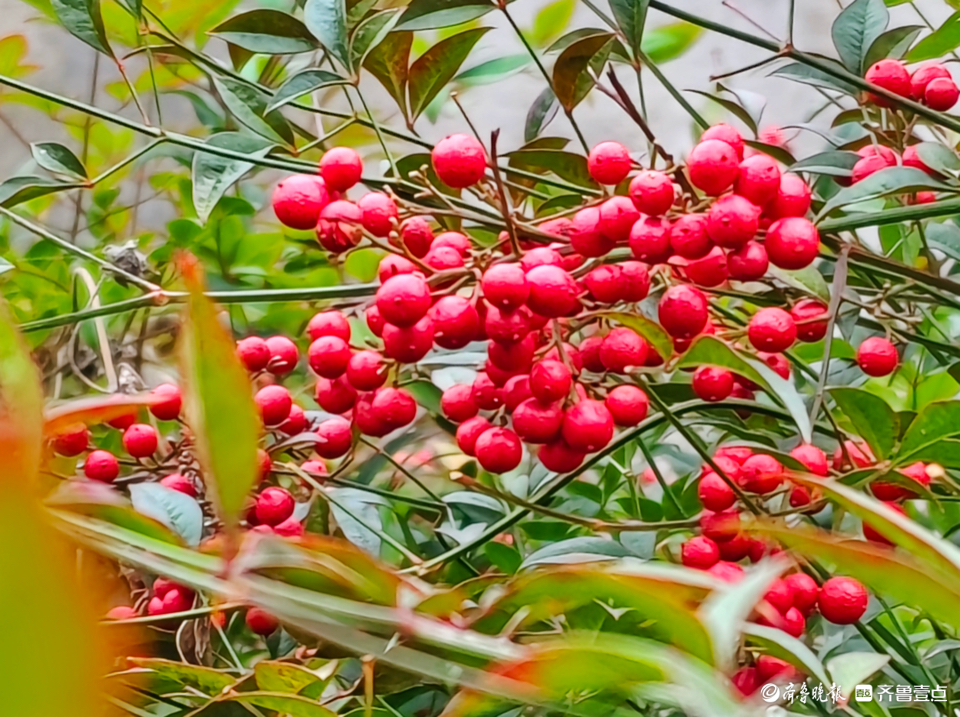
688, 236
506, 327
793, 622
513, 357
770, 667
714, 492
875, 536
628, 405
748, 263
284, 355
652, 192
444, 258
101, 466
455, 322
457, 241
634, 281
73, 441
711, 270
341, 168
735, 549
469, 431
378, 213
876, 356
274, 403
879, 150
296, 422
941, 94
712, 383
792, 198
459, 161
726, 572
328, 356
761, 474
486, 394
553, 292
498, 450
537, 422
892, 76
604, 283
842, 601
339, 226
297, 201
457, 403
772, 329
805, 591
505, 286
813, 459
416, 235
179, 483
911, 158
650, 240
738, 454
792, 243
810, 316
590, 353
608, 163
550, 381
859, 453
623, 349
328, 323
922, 76
746, 681
683, 311
778, 362
867, 166
403, 299
395, 407
392, 264
274, 505
290, 528
516, 390
713, 166
336, 396
699, 552
140, 440
122, 423
725, 133
759, 179
780, 595
261, 622
540, 256
559, 457
732, 221
253, 353
587, 426
365, 370
617, 216
408, 344
334, 438
585, 236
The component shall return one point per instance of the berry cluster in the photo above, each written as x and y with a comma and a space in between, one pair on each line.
930, 84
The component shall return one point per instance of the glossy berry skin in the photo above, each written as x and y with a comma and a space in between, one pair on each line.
392, 264
892, 76
328, 323
725, 133
334, 438
711, 270
365, 370
805, 591
792, 243
274, 403
772, 329
339, 227
941, 94
683, 311
140, 440
586, 238
688, 236
469, 431
505, 286
813, 459
416, 235
650, 240
408, 344
179, 483
457, 403
459, 161
559, 457
274, 505
553, 292
911, 158
792, 198
550, 381
713, 166
498, 450
101, 466
378, 213
714, 492
335, 396
395, 407
297, 201
922, 76
842, 600
759, 179
261, 622
604, 283
72, 442
748, 263
455, 322
712, 383
810, 316
699, 552
486, 394
761, 474
587, 426
284, 355
253, 353
608, 163
328, 356
793, 622
617, 215
876, 356
726, 571
404, 299
623, 349
341, 168
634, 281
628, 405
780, 595
652, 192
867, 166
537, 422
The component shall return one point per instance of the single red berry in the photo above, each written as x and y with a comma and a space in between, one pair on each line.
805, 591
623, 349
759, 179
459, 161
780, 595
487, 395
650, 240
800, 497
792, 243
737, 454
408, 344
688, 236
590, 354
393, 264
810, 316
842, 601
792, 199
866, 167
713, 166
772, 329
505, 286
253, 353
101, 466
394, 406
516, 390
726, 572
725, 133
553, 292
558, 457
540, 256
498, 450
892, 76
339, 227
745, 681
710, 270
683, 311
712, 383
876, 356
735, 549
284, 355
732, 221
879, 150
699, 552
778, 362
457, 241
455, 322
922, 76
812, 458
140, 440
179, 483
628, 405
748, 263
341, 168
587, 426
297, 201
506, 327
122, 423
457, 403
911, 158
334, 438
328, 356
634, 281
416, 235
296, 422
941, 94
714, 492
274, 505
652, 192
608, 163
761, 474
793, 622
513, 357
73, 441
770, 667
274, 403
403, 299
604, 283
550, 381
314, 468
328, 323
444, 258
469, 431
617, 216
537, 422
261, 622
378, 213
336, 396
858, 453
585, 236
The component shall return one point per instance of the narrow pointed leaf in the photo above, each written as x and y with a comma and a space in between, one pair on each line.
58, 159
631, 16
437, 66
436, 14
938, 43
892, 180
369, 33
94, 409
249, 105
571, 81
213, 175
389, 62
84, 21
302, 83
267, 31
541, 112
935, 422
856, 29
892, 44
327, 20
872, 417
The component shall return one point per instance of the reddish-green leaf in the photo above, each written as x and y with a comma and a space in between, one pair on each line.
571, 81
437, 66
389, 63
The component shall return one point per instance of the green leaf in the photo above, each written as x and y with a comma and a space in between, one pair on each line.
171, 508
84, 21
205, 679
711, 351
213, 175
249, 104
631, 15
436, 14
856, 29
327, 20
543, 109
946, 238
302, 83
938, 43
808, 280
17, 190
853, 668
832, 163
493, 70
799, 72
576, 550
571, 81
134, 7
551, 21
779, 644
892, 44
58, 159
871, 416
566, 165
934, 423
104, 503
292, 705
268, 31
389, 63
732, 107
651, 331
283, 677
219, 404
938, 157
427, 395
892, 180
664, 43
369, 33
437, 66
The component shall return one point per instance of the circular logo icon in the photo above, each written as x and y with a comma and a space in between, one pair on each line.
770, 693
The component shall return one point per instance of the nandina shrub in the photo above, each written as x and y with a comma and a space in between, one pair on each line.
456, 427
